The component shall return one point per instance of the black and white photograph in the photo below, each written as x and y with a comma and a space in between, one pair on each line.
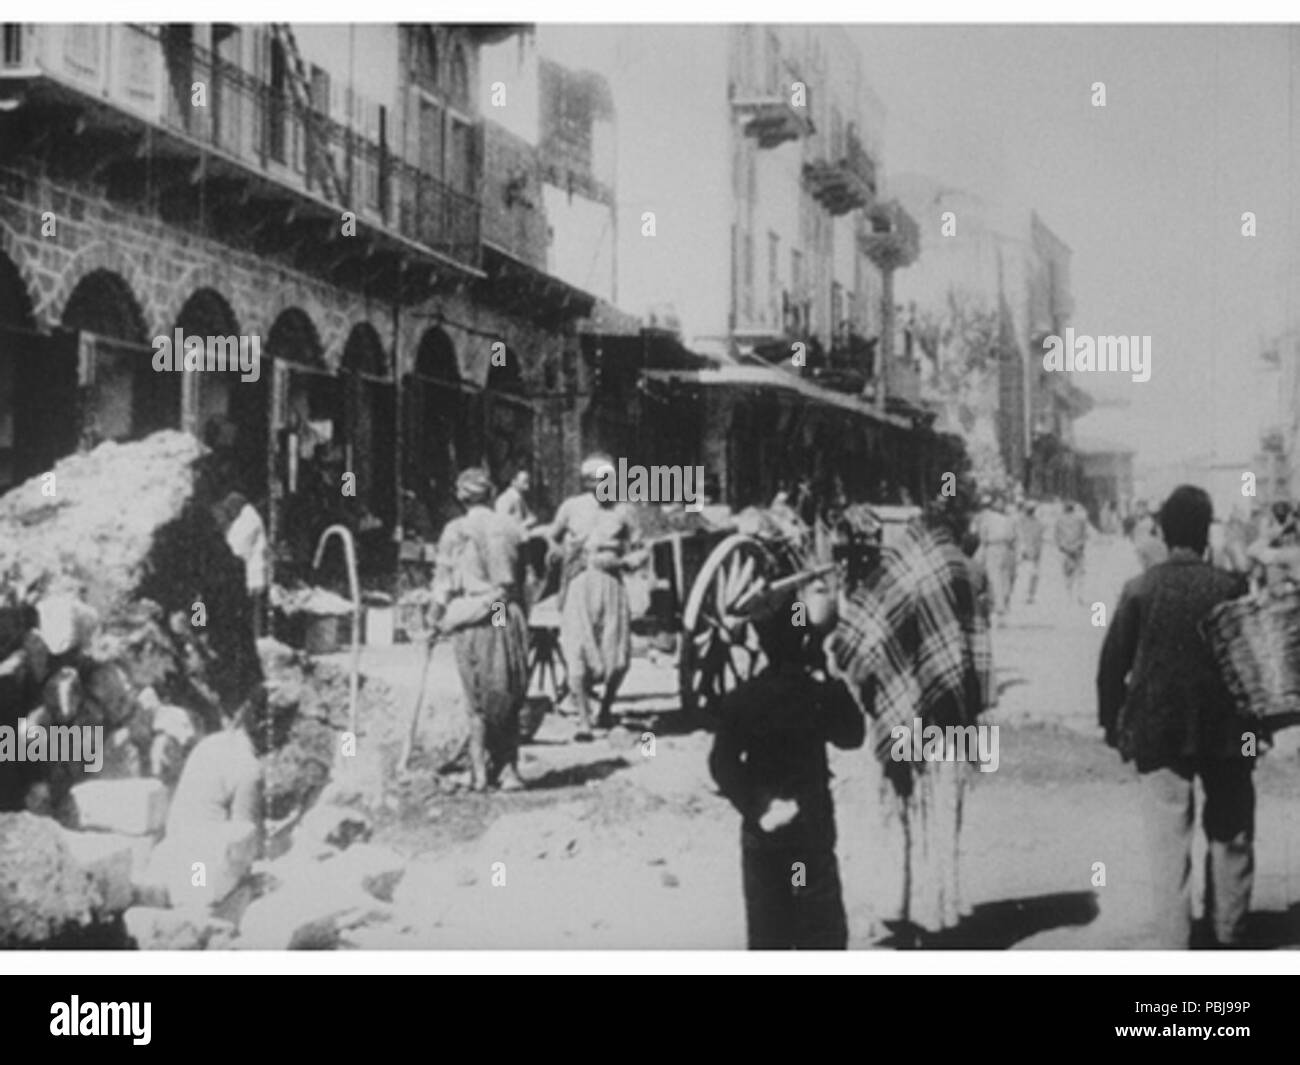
632, 486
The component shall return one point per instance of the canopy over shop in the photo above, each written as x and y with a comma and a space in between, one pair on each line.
756, 429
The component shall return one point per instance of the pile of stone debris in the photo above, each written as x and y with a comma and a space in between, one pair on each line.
111, 883
123, 615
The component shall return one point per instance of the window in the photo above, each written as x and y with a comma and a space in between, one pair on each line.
430, 136
460, 162
426, 55
459, 78
278, 104
320, 90
13, 44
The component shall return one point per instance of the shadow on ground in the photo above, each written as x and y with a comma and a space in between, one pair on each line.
1000, 925
574, 775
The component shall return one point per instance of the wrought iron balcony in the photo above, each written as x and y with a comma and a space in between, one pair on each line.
772, 119
246, 126
894, 239
845, 183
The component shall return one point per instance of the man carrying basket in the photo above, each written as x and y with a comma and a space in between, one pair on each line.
1164, 705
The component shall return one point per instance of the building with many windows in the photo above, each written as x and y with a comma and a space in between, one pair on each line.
337, 193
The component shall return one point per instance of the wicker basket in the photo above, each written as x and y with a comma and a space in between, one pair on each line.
1256, 645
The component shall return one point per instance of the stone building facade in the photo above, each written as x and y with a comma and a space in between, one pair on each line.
388, 267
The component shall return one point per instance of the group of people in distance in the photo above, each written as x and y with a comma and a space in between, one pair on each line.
1006, 542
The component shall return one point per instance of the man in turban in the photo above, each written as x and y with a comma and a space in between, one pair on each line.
595, 535
478, 587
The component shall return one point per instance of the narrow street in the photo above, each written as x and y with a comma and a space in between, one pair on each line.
617, 847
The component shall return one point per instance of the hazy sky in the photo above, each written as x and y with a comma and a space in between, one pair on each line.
1147, 191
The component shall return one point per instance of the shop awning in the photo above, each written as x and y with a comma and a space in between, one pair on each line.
743, 376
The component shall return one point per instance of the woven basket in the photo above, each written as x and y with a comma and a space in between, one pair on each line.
1255, 641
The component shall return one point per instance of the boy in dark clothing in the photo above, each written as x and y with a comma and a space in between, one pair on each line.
769, 759
1163, 704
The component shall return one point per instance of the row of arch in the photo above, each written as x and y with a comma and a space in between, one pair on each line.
444, 423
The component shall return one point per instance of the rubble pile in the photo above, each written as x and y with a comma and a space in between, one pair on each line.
125, 610
123, 616
42, 889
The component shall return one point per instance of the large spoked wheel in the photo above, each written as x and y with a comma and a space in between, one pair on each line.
719, 648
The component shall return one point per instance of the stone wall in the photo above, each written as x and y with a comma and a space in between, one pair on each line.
164, 264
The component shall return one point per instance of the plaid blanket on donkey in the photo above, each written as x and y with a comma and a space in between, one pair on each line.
911, 640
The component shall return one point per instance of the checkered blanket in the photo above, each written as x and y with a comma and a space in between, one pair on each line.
912, 641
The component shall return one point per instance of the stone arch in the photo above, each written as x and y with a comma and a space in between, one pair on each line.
364, 351
127, 399
293, 337
208, 276
11, 250
15, 296
435, 357
442, 428
103, 302
206, 312
105, 258
216, 396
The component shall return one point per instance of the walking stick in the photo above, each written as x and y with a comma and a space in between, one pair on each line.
408, 745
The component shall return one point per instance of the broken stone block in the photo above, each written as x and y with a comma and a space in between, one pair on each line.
134, 807
204, 864
107, 860
152, 928
43, 890
328, 826
309, 916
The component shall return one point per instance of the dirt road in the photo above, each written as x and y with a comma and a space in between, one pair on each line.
623, 843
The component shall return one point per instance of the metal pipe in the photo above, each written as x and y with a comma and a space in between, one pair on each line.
350, 553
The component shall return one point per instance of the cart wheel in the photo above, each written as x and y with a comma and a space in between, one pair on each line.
718, 649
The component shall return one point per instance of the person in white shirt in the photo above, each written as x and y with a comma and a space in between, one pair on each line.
513, 502
246, 535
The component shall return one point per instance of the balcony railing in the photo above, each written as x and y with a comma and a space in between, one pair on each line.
844, 183
772, 119
252, 122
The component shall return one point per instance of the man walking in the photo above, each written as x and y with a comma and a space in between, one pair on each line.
595, 537
1163, 705
479, 589
1071, 540
1029, 545
997, 533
